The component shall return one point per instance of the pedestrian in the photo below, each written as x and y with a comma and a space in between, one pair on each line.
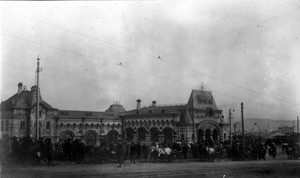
132, 153
120, 152
49, 151
138, 150
145, 151
185, 150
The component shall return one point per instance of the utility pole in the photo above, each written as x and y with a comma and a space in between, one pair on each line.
243, 131
230, 136
38, 69
297, 124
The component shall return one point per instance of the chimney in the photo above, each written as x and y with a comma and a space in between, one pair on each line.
153, 103
138, 104
20, 88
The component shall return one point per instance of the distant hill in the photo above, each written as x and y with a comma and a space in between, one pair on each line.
263, 124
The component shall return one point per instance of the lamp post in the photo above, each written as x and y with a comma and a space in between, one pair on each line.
230, 132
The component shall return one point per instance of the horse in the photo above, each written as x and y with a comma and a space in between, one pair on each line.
160, 153
165, 153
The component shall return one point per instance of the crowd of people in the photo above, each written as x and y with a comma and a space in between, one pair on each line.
44, 151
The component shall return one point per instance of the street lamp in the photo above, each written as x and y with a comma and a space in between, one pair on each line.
230, 132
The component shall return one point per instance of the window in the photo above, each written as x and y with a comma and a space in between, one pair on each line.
47, 125
2, 125
22, 125
6, 125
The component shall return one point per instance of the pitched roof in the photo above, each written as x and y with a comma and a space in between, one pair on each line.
83, 114
163, 109
201, 99
26, 99
116, 108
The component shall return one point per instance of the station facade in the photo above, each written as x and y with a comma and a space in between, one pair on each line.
198, 119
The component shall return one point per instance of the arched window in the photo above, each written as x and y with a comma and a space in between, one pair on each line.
2, 125
153, 123
61, 125
68, 125
22, 125
47, 125
92, 126
86, 126
74, 125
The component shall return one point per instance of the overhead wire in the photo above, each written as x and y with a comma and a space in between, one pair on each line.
168, 61
186, 84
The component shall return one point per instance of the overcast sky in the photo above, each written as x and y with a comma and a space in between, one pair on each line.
95, 53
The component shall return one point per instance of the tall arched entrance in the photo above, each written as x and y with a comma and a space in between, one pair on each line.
67, 135
207, 134
129, 134
200, 135
154, 134
215, 135
112, 136
211, 130
168, 134
141, 134
91, 138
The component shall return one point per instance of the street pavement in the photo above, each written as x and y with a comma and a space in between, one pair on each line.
279, 167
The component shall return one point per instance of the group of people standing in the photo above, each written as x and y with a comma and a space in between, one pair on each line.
43, 150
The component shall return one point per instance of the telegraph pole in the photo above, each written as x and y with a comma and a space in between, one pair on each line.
230, 136
38, 69
243, 133
297, 124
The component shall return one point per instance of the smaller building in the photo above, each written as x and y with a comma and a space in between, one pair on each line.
286, 129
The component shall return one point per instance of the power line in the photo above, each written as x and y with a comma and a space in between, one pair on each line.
75, 53
216, 91
159, 57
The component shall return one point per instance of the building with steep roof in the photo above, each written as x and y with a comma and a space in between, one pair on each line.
194, 121
18, 118
197, 120
18, 114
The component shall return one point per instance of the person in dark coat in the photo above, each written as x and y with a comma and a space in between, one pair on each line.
138, 150
120, 152
145, 151
15, 147
132, 152
49, 151
185, 150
